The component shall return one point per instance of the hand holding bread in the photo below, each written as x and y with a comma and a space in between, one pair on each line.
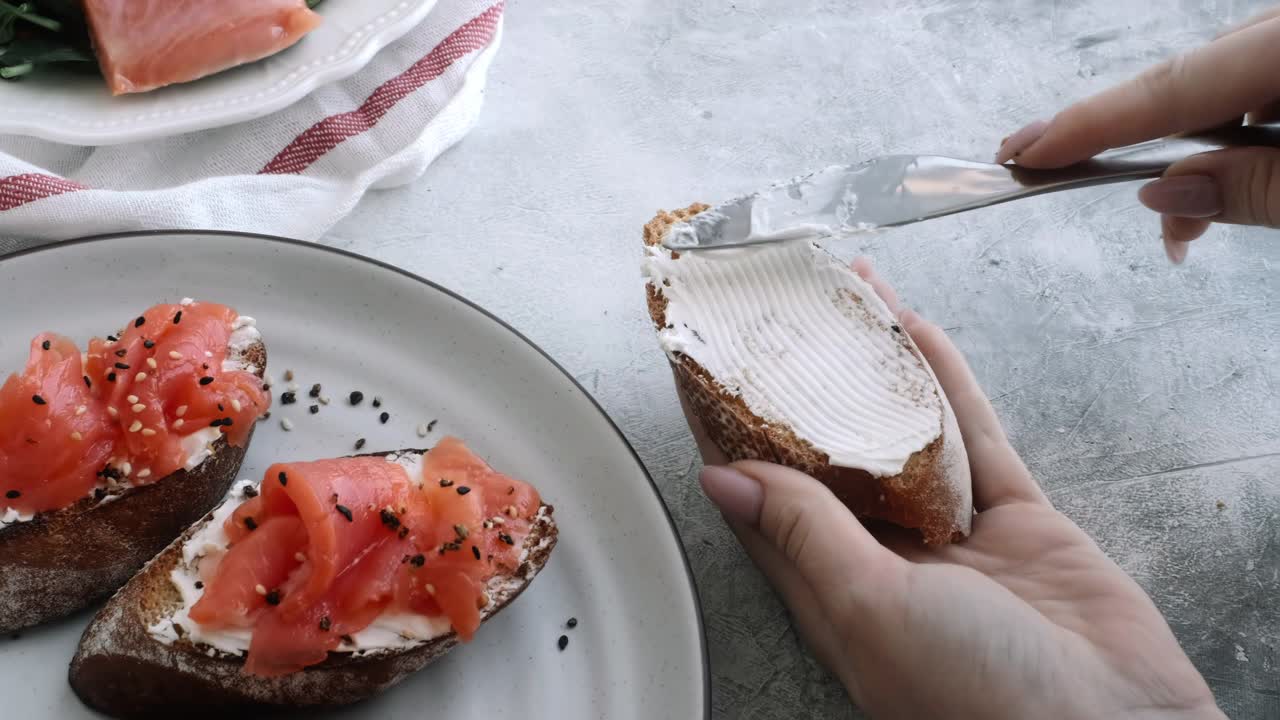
1025, 618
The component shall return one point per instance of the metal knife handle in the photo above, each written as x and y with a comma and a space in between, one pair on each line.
1144, 160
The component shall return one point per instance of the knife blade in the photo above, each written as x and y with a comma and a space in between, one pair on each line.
897, 190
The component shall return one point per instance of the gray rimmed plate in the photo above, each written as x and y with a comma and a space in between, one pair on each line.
350, 323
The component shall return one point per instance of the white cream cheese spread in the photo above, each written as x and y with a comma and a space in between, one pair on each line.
805, 343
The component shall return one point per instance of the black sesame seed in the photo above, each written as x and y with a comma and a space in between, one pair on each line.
506, 538
348, 640
895, 328
315, 391
199, 585
389, 519
266, 415
111, 377
360, 443
344, 511
356, 397
273, 597
563, 642
250, 491
177, 318
38, 400
112, 338
46, 345
121, 352
13, 494
445, 482
475, 551
283, 477
99, 493
122, 366
432, 425
377, 402
404, 532
314, 409
463, 489
148, 344
228, 422
87, 382
573, 623
206, 380
418, 560
325, 623
384, 417
288, 398
251, 524
220, 408
139, 322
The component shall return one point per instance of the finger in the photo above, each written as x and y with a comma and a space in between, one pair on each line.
998, 474
1201, 89
863, 267
1240, 186
814, 624
1177, 234
814, 532
711, 453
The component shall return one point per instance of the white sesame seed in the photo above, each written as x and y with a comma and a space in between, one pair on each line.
431, 589
260, 589
293, 387
177, 424
144, 473
299, 557
235, 404
148, 432
324, 399
511, 510
112, 411
81, 410
288, 375
208, 354
131, 399
182, 410
286, 425
422, 430
140, 377
125, 468
151, 363
136, 426
174, 354
77, 436
138, 408
499, 521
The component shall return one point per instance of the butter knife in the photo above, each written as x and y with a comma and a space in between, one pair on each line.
901, 189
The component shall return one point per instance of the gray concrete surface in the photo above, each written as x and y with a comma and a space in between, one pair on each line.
1140, 394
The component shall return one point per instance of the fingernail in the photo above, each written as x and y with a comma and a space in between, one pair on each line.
737, 495
1012, 146
1176, 250
1191, 196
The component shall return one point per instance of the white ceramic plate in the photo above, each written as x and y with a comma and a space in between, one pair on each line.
78, 109
351, 324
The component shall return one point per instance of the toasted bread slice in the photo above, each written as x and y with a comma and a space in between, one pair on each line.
930, 492
121, 669
66, 560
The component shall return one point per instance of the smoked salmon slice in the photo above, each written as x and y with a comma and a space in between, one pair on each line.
146, 44
374, 539
120, 412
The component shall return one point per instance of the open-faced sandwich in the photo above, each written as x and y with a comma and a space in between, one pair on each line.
324, 584
787, 355
107, 455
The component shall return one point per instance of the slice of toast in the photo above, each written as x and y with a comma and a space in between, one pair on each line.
66, 560
122, 670
930, 492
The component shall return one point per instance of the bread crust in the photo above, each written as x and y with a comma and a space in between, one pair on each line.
121, 670
921, 497
66, 560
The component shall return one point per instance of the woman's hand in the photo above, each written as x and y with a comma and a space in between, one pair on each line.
1235, 76
1026, 618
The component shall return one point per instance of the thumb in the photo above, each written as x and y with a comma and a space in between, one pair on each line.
1239, 186
812, 531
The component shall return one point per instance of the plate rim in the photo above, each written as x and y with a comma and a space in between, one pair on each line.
705, 658
228, 111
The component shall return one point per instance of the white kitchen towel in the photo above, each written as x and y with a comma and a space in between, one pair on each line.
294, 173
